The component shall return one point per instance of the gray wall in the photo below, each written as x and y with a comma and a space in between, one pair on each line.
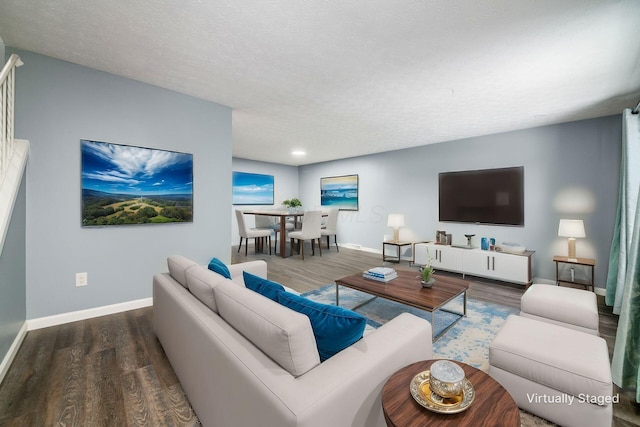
2, 58
285, 180
59, 103
571, 171
12, 275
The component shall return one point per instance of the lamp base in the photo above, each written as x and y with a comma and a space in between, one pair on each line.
572, 247
396, 234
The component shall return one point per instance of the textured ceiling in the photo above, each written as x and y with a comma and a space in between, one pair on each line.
346, 78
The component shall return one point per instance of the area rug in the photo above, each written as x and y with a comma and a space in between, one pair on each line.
467, 341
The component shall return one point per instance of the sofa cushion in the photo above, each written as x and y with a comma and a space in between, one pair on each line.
178, 266
262, 286
335, 328
201, 281
282, 334
219, 267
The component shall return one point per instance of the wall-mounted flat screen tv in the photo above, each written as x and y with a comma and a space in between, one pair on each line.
488, 196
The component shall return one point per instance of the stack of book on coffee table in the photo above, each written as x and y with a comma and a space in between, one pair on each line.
381, 274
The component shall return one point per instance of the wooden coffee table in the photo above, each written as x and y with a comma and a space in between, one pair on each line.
492, 406
406, 289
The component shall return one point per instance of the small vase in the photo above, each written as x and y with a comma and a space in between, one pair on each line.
429, 283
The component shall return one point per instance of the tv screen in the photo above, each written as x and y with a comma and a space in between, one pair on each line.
489, 196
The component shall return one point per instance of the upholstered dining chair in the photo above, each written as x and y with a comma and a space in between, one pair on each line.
331, 226
264, 223
310, 231
276, 228
250, 233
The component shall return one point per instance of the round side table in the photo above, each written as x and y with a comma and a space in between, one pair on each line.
492, 406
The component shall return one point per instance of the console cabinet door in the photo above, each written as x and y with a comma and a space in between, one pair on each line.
442, 257
478, 263
450, 259
420, 256
512, 268
496, 265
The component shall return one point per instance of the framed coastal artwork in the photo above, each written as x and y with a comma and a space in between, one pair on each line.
124, 185
252, 189
339, 192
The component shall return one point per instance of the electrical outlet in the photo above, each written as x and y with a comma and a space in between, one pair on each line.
81, 279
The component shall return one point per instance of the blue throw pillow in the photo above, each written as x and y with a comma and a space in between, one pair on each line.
219, 267
262, 286
335, 328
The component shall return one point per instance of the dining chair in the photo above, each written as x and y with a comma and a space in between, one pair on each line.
310, 231
250, 233
276, 229
264, 223
331, 227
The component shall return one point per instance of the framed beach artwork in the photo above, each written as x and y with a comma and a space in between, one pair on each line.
252, 189
339, 192
124, 184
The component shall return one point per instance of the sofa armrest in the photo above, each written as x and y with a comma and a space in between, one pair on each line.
346, 390
258, 268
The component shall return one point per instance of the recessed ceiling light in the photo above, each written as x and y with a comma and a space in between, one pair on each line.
298, 152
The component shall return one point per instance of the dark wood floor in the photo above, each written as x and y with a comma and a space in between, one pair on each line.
112, 371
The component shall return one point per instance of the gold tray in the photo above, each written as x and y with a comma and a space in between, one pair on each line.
421, 392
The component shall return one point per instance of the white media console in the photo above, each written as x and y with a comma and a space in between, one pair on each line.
514, 268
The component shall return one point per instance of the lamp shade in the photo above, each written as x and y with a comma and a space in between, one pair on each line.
395, 220
571, 228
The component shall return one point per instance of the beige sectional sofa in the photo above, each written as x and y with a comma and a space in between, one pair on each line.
245, 360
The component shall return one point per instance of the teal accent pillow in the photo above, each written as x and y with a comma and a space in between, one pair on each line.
262, 286
219, 267
335, 328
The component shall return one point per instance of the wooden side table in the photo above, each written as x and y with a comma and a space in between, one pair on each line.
493, 406
588, 262
398, 245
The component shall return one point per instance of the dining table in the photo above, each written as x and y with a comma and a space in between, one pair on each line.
282, 215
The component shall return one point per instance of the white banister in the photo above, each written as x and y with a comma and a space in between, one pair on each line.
7, 98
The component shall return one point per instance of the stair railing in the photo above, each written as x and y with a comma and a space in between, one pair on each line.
7, 98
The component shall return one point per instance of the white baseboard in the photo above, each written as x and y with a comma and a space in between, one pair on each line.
13, 350
59, 319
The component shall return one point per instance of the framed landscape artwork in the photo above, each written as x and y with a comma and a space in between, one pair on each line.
123, 184
252, 189
339, 192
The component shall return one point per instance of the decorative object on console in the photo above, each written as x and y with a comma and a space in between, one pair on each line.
511, 248
469, 236
571, 228
395, 221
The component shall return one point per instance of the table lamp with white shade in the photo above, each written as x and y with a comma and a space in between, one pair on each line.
571, 228
395, 221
